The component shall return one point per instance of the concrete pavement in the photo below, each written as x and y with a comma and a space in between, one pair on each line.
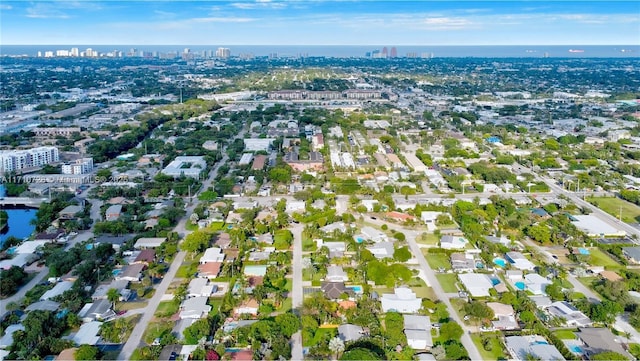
437, 288
297, 289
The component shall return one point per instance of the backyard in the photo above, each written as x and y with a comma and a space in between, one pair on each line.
448, 282
599, 258
489, 345
437, 261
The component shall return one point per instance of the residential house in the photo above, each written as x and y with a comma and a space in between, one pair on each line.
382, 250
523, 347
223, 240
462, 262
149, 242
429, 218
336, 249
199, 287
477, 284
69, 212
372, 234
7, 340
57, 290
115, 241
348, 332
248, 307
572, 316
88, 334
504, 316
113, 212
403, 300
335, 290
519, 261
212, 254
399, 216
453, 242
146, 257
195, 308
99, 310
101, 291
131, 273
417, 328
209, 269
47, 305
536, 283
599, 340
336, 274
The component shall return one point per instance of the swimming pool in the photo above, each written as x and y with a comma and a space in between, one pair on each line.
575, 348
520, 285
356, 289
584, 251
11, 251
116, 272
495, 281
359, 239
499, 262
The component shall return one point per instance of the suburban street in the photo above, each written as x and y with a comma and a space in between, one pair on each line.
433, 283
136, 335
297, 289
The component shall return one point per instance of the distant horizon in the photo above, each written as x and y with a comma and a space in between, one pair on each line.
322, 23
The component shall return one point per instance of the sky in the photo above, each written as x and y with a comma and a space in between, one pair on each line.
319, 22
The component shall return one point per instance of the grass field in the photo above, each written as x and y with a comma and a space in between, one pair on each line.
565, 334
428, 238
615, 206
599, 258
496, 351
448, 281
167, 308
437, 260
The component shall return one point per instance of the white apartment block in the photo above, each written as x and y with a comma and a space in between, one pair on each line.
80, 166
15, 160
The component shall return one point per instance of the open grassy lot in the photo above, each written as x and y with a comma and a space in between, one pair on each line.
448, 282
599, 258
615, 206
491, 349
421, 289
428, 239
167, 308
565, 334
437, 260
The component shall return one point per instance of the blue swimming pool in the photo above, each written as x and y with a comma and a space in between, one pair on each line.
520, 285
359, 239
584, 251
11, 251
541, 343
499, 262
356, 289
495, 281
575, 348
116, 272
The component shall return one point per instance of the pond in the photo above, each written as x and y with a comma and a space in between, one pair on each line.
19, 223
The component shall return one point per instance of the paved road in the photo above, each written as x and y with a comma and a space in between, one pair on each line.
135, 339
296, 290
42, 275
433, 282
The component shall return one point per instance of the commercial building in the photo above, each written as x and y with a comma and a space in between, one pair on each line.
189, 166
80, 166
258, 144
16, 160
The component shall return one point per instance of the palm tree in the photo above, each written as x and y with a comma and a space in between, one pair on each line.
113, 296
336, 345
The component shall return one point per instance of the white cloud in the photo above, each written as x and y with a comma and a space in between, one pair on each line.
5, 7
46, 11
447, 23
259, 4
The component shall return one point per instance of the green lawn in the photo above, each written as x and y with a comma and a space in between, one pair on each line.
448, 281
191, 227
599, 258
493, 350
421, 289
216, 226
215, 304
157, 330
437, 260
428, 238
167, 308
188, 268
565, 334
615, 206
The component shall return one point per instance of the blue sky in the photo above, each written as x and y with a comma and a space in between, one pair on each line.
318, 22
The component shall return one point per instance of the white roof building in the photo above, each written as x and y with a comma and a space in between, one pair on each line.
404, 300
149, 242
57, 290
521, 346
212, 254
382, 250
195, 307
417, 328
477, 284
336, 274
519, 261
88, 334
7, 340
245, 159
536, 283
257, 144
190, 166
199, 287
595, 227
572, 316
453, 242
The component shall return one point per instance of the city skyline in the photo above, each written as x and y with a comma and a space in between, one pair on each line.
267, 22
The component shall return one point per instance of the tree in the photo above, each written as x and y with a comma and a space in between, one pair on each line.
199, 329
336, 345
113, 296
539, 232
196, 241
455, 351
439, 352
86, 352
288, 324
451, 331
478, 310
402, 254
